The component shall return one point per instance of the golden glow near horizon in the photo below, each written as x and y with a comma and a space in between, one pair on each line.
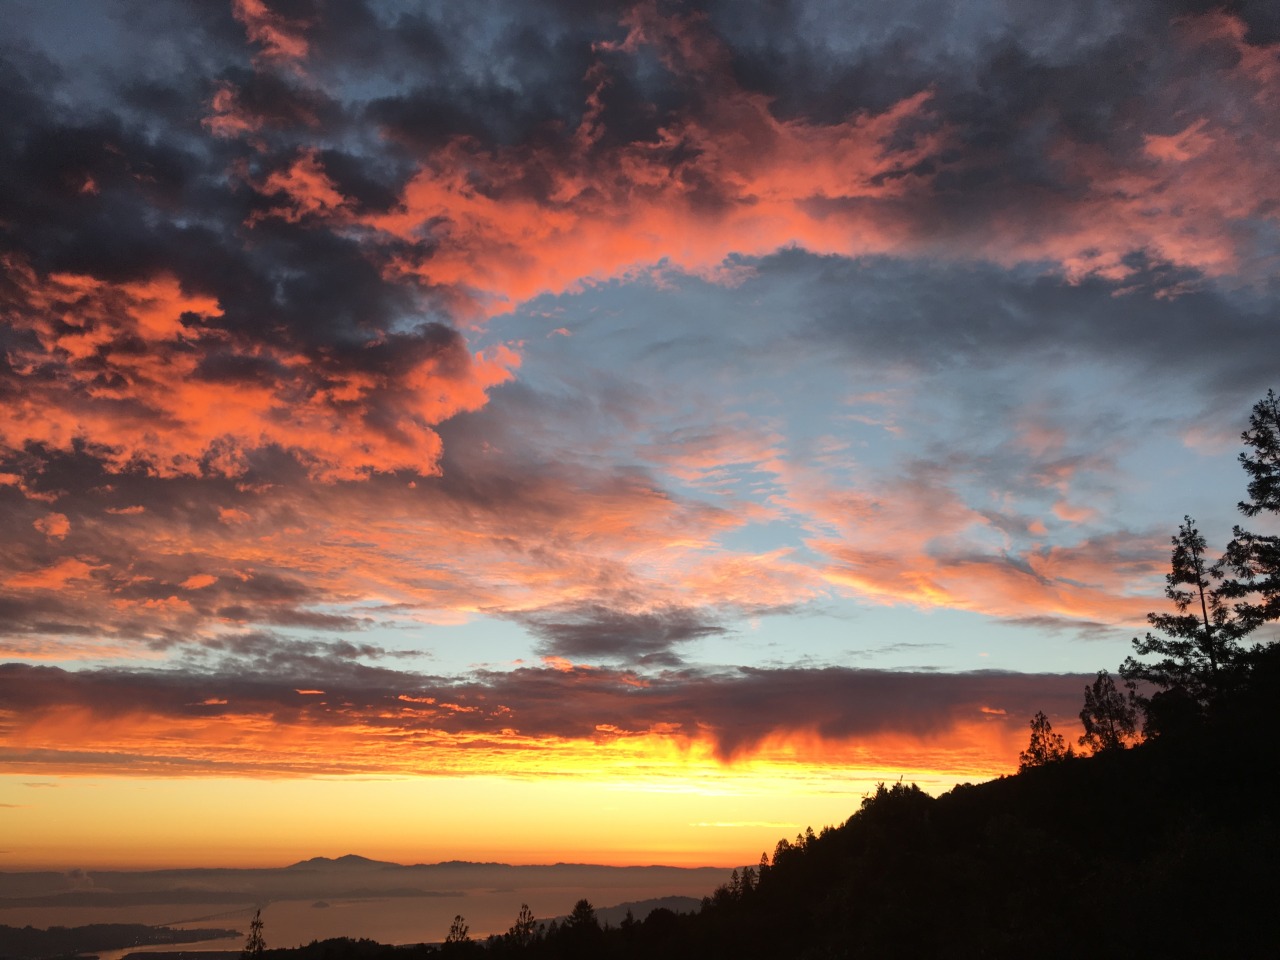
634, 802
146, 823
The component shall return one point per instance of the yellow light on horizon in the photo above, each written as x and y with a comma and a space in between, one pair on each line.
246, 792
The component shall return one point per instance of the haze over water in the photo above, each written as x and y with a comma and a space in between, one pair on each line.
300, 905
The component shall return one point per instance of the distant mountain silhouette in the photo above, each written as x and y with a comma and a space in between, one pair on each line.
347, 862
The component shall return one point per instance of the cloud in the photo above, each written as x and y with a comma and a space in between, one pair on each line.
492, 720
522, 537
595, 630
279, 37
55, 526
721, 172
144, 373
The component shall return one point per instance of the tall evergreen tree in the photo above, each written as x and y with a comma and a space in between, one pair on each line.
1251, 562
1197, 645
583, 917
580, 936
1108, 716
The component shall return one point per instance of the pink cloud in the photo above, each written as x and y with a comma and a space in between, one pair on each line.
1074, 513
279, 37
915, 541
227, 118
306, 188
344, 421
748, 184
55, 526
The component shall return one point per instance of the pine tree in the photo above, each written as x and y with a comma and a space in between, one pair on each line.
1046, 747
580, 936
1109, 717
1200, 641
1251, 562
583, 917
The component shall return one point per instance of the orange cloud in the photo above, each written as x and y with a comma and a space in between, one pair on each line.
1074, 513
556, 540
307, 189
1192, 199
280, 38
734, 179
593, 728
157, 406
728, 177
55, 526
58, 575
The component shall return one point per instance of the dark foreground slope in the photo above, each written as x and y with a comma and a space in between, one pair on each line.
1111, 856
1169, 849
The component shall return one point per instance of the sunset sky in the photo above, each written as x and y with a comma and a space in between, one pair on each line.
613, 432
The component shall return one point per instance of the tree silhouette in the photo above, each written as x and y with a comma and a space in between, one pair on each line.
1263, 465
254, 946
1200, 641
459, 932
1045, 747
1251, 562
525, 929
1109, 717
583, 917
580, 934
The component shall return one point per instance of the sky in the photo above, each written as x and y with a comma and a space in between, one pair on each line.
608, 432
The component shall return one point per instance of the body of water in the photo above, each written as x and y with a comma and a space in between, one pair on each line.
290, 923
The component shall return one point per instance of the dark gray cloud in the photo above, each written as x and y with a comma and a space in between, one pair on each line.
596, 631
825, 60
739, 710
936, 316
